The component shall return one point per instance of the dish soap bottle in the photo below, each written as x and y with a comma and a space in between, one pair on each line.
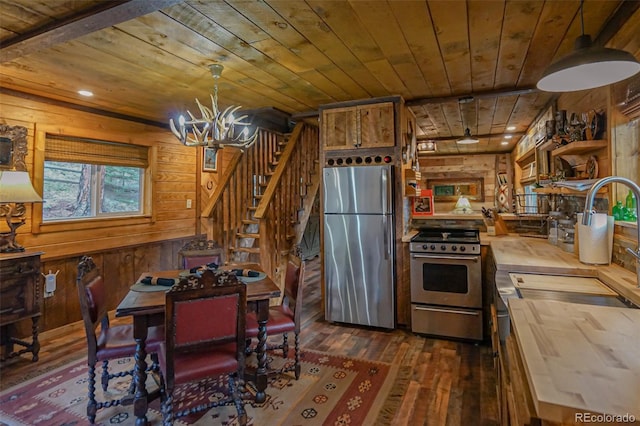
631, 207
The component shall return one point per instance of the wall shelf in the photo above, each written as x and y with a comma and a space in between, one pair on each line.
566, 191
580, 147
527, 157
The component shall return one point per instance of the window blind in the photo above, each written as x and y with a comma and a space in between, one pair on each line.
90, 151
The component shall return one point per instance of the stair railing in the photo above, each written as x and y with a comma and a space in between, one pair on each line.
286, 203
235, 199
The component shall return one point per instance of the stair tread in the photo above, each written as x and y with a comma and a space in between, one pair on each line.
247, 235
247, 250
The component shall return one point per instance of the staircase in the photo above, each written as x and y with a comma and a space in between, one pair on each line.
264, 197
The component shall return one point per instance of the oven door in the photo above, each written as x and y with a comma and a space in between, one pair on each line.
446, 279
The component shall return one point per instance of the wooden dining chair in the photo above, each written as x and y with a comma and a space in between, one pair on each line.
200, 251
205, 343
105, 342
285, 318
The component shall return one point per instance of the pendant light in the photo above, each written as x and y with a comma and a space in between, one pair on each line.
467, 139
588, 66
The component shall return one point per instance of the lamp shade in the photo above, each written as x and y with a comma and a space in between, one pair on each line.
15, 187
467, 139
588, 67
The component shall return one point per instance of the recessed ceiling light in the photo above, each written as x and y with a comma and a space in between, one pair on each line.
504, 143
508, 136
511, 128
85, 92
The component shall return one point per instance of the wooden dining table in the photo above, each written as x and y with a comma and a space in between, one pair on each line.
147, 309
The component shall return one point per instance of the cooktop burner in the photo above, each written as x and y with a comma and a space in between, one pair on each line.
449, 235
442, 240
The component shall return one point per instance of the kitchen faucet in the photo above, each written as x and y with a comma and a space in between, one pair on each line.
588, 211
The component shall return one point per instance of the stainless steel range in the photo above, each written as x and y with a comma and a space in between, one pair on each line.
446, 283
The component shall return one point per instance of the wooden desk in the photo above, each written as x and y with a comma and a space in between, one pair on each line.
147, 310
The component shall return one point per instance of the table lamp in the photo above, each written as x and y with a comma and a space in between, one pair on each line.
15, 189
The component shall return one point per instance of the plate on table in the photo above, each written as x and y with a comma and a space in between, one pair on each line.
246, 280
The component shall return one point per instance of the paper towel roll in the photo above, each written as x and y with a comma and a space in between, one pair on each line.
595, 242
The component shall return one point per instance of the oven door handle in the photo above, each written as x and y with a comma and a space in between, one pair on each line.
421, 256
447, 311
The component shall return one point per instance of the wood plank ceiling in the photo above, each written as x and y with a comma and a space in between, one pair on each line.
148, 58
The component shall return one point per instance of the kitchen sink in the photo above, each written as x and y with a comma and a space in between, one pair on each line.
567, 288
571, 297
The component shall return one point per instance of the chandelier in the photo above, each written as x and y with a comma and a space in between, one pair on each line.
215, 128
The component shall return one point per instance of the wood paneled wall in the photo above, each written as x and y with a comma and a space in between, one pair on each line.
462, 166
123, 250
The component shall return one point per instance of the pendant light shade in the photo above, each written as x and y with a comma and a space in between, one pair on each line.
467, 139
588, 66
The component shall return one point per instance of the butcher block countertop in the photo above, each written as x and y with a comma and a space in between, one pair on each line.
538, 256
578, 358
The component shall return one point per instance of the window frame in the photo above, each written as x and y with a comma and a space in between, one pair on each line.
96, 201
59, 225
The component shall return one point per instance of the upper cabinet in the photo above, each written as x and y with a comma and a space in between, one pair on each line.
359, 126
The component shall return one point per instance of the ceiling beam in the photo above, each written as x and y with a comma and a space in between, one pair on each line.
477, 95
622, 14
105, 14
485, 136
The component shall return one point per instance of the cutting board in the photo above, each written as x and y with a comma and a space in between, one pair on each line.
564, 283
578, 358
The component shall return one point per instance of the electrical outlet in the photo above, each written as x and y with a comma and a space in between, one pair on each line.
189, 203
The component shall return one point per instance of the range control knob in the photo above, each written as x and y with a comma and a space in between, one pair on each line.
462, 248
443, 247
425, 246
454, 248
433, 246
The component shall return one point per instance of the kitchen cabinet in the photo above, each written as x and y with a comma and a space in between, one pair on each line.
20, 298
359, 126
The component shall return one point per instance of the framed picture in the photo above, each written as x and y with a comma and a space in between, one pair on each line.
422, 205
210, 159
451, 189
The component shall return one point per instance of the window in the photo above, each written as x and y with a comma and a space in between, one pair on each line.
85, 178
76, 190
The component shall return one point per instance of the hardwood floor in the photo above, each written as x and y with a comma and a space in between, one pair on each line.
447, 382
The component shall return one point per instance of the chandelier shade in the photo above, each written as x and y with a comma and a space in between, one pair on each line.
214, 128
588, 66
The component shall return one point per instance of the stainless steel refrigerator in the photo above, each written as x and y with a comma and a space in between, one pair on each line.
359, 267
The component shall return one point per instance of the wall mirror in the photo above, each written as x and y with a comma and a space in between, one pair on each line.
451, 189
13, 147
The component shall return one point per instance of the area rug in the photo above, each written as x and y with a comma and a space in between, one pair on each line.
331, 391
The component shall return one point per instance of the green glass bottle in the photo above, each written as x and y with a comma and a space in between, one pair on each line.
618, 211
631, 207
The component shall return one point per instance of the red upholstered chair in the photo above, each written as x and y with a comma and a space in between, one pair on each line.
201, 251
205, 343
285, 318
106, 342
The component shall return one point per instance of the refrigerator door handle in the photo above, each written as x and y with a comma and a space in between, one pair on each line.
385, 237
385, 186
